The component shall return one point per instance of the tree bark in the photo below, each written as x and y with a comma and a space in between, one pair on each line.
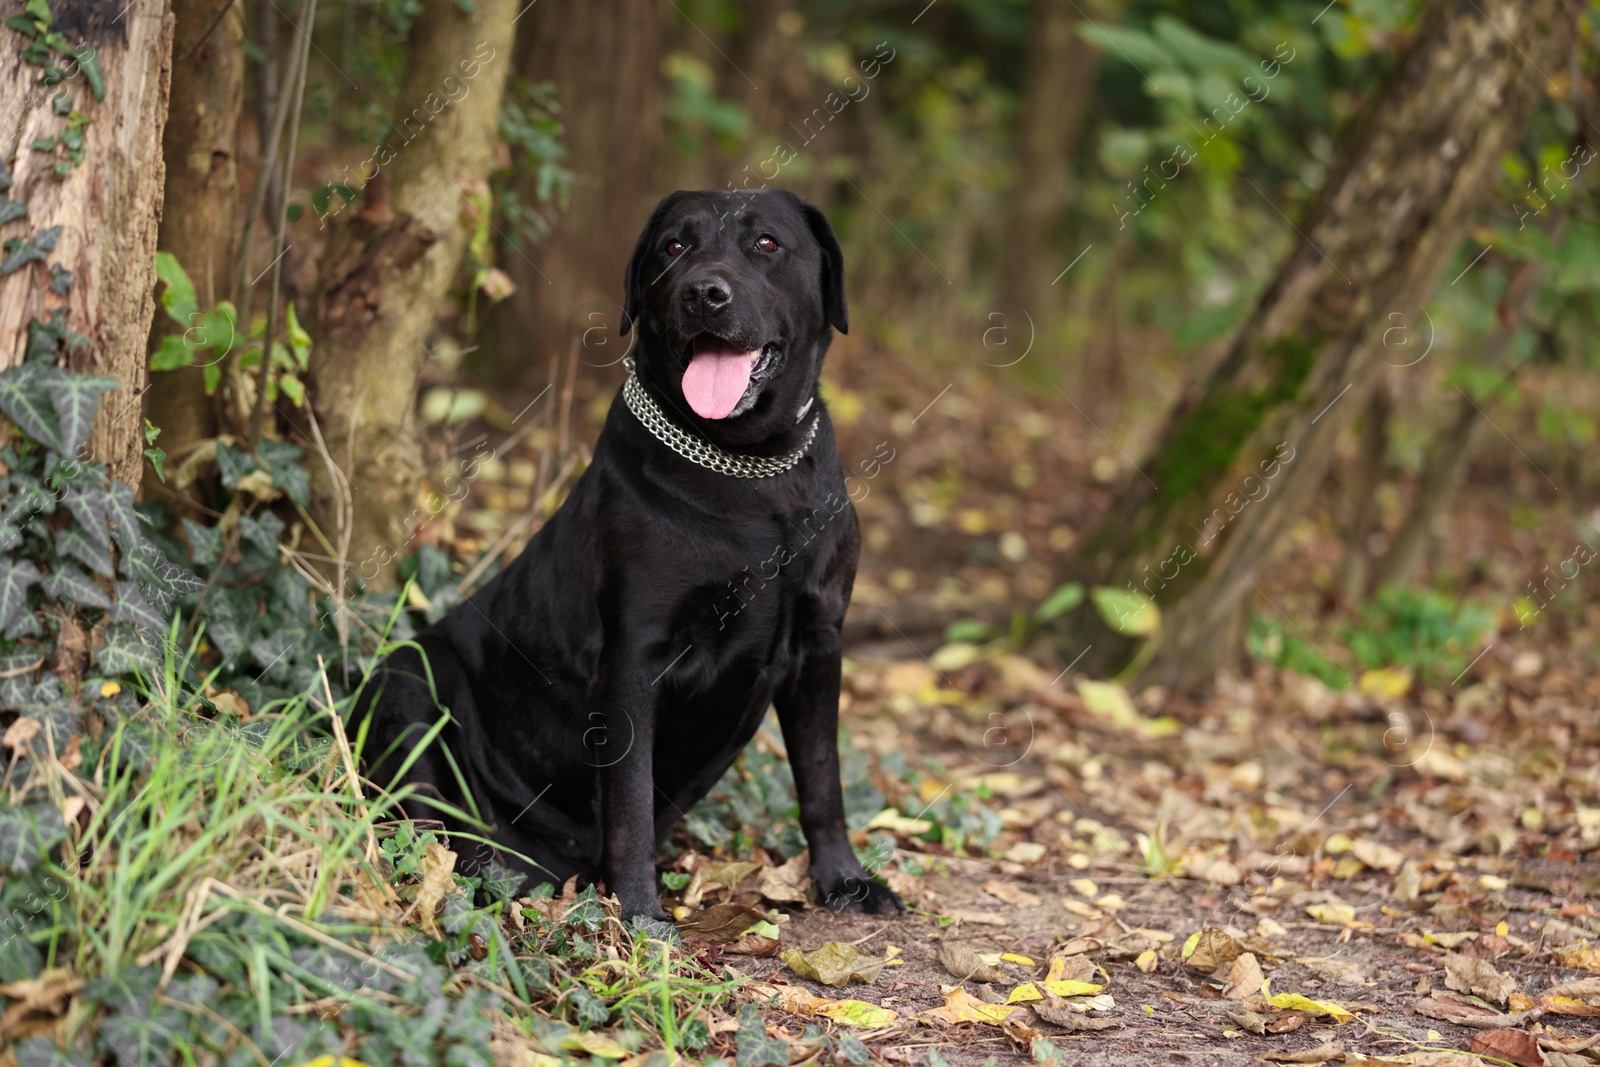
198, 217
1407, 177
386, 271
107, 206
1061, 69
1362, 504
602, 56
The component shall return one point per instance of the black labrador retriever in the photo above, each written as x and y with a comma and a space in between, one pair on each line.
699, 572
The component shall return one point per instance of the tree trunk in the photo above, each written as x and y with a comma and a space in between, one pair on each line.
1451, 453
1362, 504
386, 272
107, 205
198, 215
1061, 69
602, 57
1408, 176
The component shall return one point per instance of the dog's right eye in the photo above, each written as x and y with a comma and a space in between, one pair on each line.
674, 248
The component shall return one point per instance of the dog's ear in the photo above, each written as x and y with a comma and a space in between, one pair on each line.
631, 283
833, 306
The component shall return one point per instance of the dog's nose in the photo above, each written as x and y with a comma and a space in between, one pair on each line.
713, 294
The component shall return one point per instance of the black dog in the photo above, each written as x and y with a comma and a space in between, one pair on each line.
699, 572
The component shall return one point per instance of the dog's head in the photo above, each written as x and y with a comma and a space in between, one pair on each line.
733, 294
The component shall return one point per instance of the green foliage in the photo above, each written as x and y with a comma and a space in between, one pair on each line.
1431, 633
530, 124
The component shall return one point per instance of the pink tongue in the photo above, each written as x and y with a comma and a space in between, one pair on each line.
716, 380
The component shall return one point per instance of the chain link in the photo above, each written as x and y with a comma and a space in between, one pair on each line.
702, 452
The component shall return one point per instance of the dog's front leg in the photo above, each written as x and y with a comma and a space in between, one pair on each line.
808, 711
624, 755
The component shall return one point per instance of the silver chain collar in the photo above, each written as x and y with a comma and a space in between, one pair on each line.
696, 450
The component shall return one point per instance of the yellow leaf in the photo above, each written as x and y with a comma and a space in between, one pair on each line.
1147, 960
1390, 682
1502, 929
962, 1007
856, 1013
595, 1045
109, 689
890, 819
332, 1061
1012, 957
1343, 914
1061, 987
1298, 1002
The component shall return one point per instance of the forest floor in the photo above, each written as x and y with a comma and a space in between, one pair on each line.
1395, 866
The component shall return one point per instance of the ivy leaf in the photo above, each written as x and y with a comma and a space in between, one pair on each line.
77, 398
89, 63
756, 1047
72, 541
124, 653
10, 210
500, 882
132, 607
124, 519
26, 833
26, 402
17, 576
69, 583
283, 461
88, 506
21, 250
234, 464
162, 581
172, 353
205, 542
262, 533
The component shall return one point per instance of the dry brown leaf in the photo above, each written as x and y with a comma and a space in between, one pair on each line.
1454, 1008
47, 994
1011, 894
438, 864
1244, 977
1057, 1012
1328, 1050
785, 884
729, 925
1250, 1021
1513, 1046
1210, 949
962, 960
1020, 1032
1465, 974
977, 918
709, 876
19, 733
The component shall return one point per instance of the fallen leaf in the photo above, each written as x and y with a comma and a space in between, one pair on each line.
890, 819
1466, 974
1058, 1012
1376, 855
709, 876
1582, 955
1019, 1031
1208, 949
1065, 987
964, 962
724, 923
1244, 977
1338, 914
962, 1007
1454, 1008
787, 883
1011, 894
1297, 1002
1148, 960
594, 1044
857, 1013
1252, 1022
833, 963
1328, 1050
19, 733
1513, 1046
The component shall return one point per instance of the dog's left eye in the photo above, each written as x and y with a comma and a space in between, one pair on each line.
765, 243
675, 248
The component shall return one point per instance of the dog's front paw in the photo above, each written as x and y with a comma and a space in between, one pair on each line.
635, 905
856, 891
